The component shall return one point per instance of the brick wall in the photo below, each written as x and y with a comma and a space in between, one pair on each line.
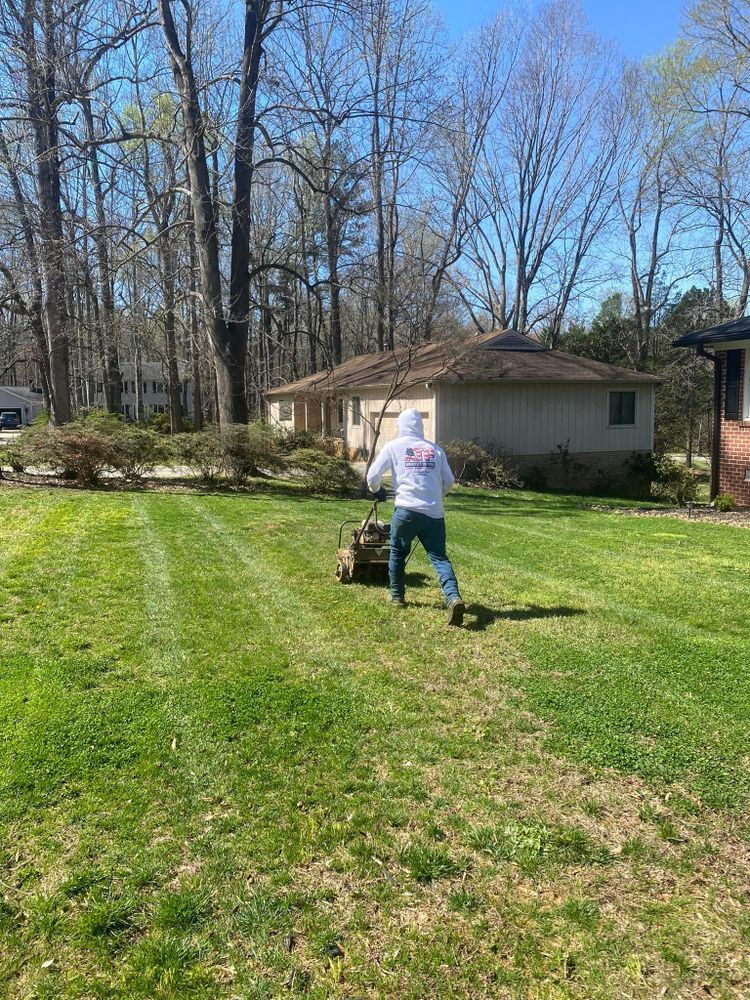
734, 461
596, 472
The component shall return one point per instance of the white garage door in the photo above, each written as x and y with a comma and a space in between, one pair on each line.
389, 429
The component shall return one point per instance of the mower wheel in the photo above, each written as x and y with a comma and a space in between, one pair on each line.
342, 573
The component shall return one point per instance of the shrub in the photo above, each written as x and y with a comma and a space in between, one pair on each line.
13, 455
135, 451
536, 478
565, 463
248, 450
605, 484
467, 460
724, 503
101, 421
500, 473
643, 471
77, 450
673, 482
291, 441
20, 454
201, 453
160, 423
473, 464
326, 474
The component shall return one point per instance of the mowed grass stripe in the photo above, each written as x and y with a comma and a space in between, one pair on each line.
561, 578
266, 768
271, 721
350, 635
24, 526
345, 621
627, 541
670, 705
629, 544
80, 712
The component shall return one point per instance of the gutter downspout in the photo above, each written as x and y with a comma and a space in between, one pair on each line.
716, 435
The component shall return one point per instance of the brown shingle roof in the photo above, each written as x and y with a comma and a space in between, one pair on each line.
492, 357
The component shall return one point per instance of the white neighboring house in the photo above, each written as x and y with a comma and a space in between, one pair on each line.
27, 403
153, 391
565, 419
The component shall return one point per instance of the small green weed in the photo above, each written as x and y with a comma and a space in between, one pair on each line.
105, 917
533, 845
582, 912
464, 901
426, 862
183, 910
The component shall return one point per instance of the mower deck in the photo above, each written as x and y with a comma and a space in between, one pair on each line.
366, 557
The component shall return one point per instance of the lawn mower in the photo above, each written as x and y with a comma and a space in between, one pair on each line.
365, 559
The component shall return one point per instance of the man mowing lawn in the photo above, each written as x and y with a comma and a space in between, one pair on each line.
421, 477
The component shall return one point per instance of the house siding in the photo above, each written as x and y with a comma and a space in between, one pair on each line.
558, 434
734, 450
533, 419
372, 401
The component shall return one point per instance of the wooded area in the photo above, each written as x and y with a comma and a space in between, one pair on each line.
253, 192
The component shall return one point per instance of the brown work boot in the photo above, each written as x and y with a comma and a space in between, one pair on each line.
398, 602
456, 611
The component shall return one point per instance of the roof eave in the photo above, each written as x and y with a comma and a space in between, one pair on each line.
713, 339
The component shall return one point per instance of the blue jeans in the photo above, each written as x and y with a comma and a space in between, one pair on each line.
406, 525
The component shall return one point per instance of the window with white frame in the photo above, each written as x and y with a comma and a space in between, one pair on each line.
286, 411
622, 408
746, 387
356, 411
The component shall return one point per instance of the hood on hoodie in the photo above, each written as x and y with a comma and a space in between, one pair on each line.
410, 424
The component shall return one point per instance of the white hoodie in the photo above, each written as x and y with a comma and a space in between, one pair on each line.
419, 469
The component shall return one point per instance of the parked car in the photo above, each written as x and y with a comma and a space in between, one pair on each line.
9, 421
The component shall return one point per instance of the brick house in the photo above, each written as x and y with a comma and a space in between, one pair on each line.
727, 346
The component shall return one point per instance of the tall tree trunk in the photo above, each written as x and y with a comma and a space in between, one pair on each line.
239, 281
111, 374
380, 239
227, 345
195, 338
41, 84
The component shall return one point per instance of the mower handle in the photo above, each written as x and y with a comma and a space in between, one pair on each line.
373, 510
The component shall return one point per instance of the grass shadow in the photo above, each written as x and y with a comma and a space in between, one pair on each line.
481, 617
417, 580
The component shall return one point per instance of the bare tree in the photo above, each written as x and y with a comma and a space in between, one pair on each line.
654, 219
227, 322
548, 179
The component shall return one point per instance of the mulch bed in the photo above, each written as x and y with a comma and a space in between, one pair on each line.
734, 518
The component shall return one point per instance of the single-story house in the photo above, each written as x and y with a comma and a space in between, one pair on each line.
27, 403
568, 420
154, 390
727, 345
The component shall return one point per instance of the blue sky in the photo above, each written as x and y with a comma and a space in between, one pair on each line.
642, 27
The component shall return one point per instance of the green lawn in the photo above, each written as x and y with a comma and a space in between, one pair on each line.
226, 775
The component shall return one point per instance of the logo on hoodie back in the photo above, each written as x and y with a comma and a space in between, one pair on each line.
419, 460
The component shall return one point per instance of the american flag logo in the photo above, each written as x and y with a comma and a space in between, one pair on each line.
419, 460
